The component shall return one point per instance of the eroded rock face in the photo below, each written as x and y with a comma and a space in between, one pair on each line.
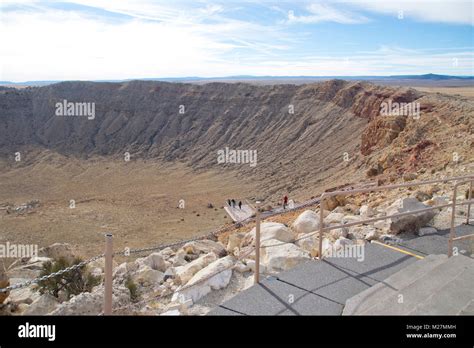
412, 222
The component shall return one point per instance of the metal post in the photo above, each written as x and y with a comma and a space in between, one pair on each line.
108, 275
321, 223
451, 233
257, 243
469, 197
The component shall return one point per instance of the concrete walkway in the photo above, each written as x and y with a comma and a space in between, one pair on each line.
315, 287
322, 288
237, 214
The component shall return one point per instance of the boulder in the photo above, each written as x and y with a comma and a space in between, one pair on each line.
332, 202
270, 230
155, 261
146, 276
426, 230
241, 267
179, 258
43, 305
234, 241
412, 222
307, 241
371, 235
279, 257
205, 246
366, 212
213, 277
306, 222
25, 295
91, 303
186, 272
339, 232
334, 218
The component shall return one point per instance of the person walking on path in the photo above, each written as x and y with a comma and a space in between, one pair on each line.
233, 203
240, 205
285, 202
229, 202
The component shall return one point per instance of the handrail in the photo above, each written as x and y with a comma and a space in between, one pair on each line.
452, 232
389, 187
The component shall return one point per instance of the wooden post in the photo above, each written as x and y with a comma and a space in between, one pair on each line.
109, 253
451, 233
469, 197
257, 243
321, 224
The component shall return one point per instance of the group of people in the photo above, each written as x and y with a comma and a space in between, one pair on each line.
232, 203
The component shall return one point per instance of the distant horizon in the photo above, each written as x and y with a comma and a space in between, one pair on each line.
256, 77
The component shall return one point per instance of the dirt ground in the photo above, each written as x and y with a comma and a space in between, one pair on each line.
135, 201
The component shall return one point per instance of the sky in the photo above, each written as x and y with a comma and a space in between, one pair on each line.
125, 39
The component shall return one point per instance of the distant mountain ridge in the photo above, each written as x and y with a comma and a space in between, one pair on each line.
432, 77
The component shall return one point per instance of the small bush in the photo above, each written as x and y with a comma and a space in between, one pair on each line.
72, 282
132, 287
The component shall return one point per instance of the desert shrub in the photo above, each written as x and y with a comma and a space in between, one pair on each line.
72, 283
132, 287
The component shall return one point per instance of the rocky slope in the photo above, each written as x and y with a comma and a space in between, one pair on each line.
325, 131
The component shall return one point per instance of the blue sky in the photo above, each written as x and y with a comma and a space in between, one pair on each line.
120, 39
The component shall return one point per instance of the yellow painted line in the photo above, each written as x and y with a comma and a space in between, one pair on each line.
399, 250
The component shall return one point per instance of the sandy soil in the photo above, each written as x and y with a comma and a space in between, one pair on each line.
136, 201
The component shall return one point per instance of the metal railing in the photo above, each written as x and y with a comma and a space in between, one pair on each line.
390, 187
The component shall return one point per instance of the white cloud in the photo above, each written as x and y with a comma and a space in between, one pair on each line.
322, 12
160, 40
452, 11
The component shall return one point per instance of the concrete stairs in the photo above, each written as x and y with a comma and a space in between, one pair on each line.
436, 285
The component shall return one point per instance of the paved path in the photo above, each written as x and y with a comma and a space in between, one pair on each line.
316, 287
322, 288
238, 214
437, 243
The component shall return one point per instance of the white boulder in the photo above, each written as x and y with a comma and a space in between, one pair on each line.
278, 256
306, 222
270, 230
213, 277
186, 272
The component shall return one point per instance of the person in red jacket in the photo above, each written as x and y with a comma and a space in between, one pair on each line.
285, 202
